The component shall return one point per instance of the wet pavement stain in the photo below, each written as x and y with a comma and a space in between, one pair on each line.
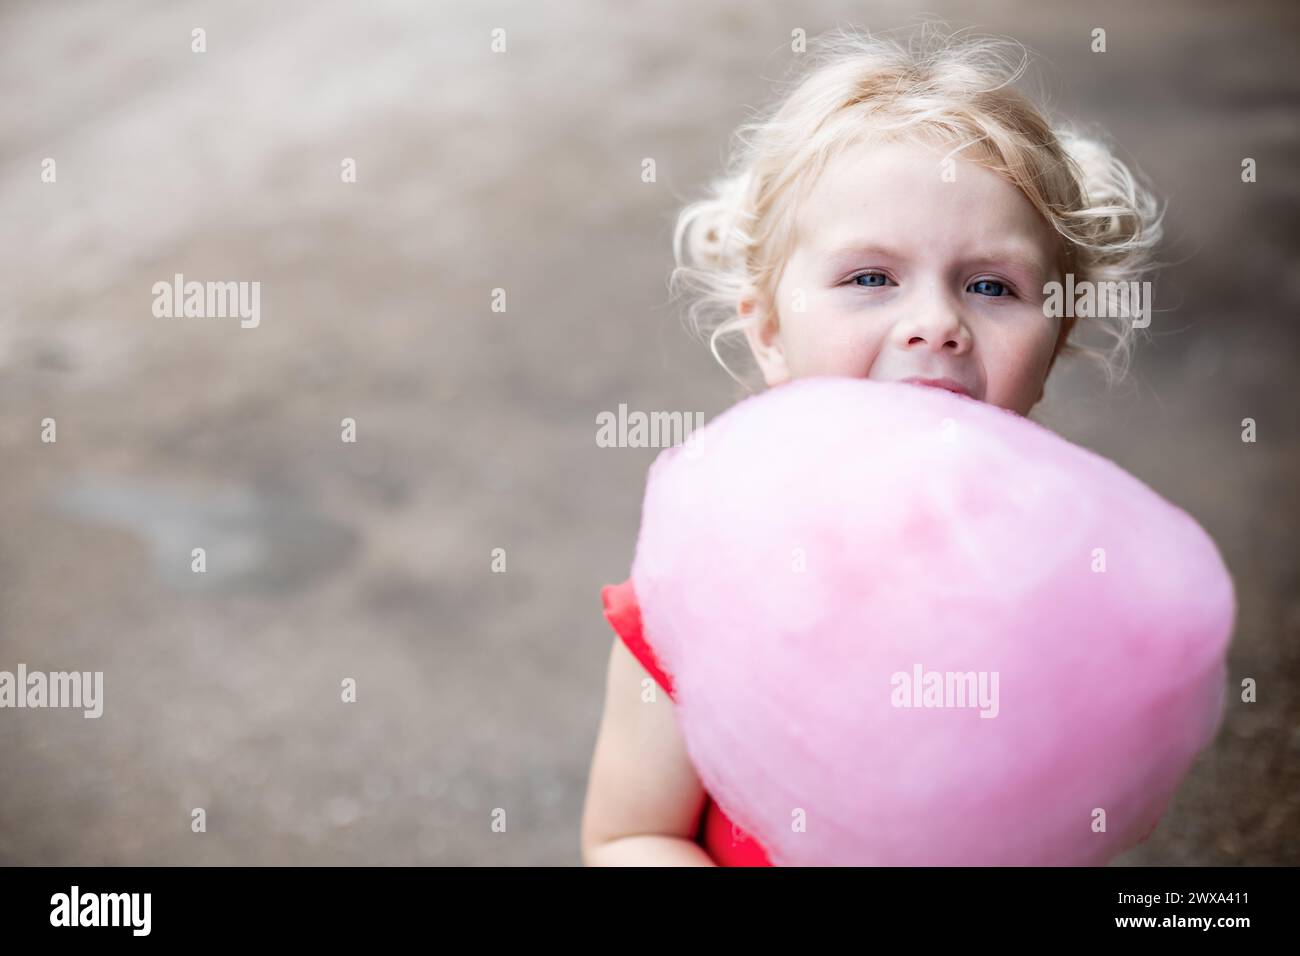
253, 543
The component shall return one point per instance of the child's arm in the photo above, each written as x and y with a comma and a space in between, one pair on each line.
643, 796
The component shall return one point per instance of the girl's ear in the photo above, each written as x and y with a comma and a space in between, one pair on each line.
763, 332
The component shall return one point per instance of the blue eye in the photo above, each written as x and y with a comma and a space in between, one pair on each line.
989, 287
875, 279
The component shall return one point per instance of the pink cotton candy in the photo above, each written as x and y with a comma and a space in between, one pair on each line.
813, 544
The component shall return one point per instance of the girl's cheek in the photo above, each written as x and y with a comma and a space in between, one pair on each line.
832, 343
847, 355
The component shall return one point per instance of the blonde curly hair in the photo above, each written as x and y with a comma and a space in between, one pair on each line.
949, 89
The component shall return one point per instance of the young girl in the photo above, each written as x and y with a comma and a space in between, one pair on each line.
896, 217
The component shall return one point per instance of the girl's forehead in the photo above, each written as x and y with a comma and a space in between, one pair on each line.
880, 171
885, 194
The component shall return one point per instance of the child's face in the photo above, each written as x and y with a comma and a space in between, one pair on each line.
903, 274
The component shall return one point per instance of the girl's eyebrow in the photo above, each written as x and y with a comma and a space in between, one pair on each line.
1017, 257
856, 249
1024, 257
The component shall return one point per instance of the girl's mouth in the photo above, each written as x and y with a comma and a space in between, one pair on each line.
947, 384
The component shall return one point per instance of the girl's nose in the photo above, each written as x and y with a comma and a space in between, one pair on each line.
936, 326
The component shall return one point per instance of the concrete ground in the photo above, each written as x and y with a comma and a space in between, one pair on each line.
478, 691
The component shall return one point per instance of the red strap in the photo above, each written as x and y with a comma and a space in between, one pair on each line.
624, 616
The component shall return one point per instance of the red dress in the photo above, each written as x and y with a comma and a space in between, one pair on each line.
724, 841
